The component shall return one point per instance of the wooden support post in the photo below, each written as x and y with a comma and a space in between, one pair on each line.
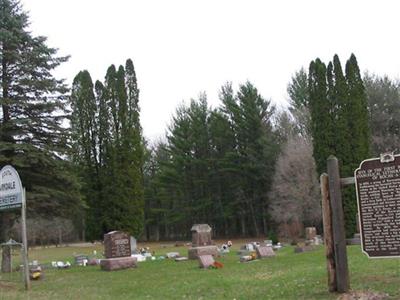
328, 238
338, 231
25, 242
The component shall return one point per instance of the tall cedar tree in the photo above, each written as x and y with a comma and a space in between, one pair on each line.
110, 156
32, 138
338, 106
322, 127
84, 134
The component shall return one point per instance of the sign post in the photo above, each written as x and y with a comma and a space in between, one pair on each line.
12, 195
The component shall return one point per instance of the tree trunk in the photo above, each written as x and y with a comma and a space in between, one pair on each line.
264, 220
243, 225
157, 233
254, 219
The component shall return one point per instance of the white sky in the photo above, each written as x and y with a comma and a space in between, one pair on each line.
182, 47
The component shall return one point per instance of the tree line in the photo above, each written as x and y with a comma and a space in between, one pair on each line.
215, 167
245, 167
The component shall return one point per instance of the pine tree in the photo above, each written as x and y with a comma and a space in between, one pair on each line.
32, 137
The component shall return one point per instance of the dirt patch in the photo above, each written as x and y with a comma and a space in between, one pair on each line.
364, 295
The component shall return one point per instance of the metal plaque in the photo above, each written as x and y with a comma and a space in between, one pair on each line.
378, 196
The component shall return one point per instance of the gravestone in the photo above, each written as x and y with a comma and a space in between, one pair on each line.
378, 196
117, 250
133, 245
201, 242
206, 261
80, 259
265, 251
304, 247
201, 235
311, 232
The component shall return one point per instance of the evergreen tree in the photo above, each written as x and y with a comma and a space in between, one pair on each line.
108, 150
358, 113
359, 135
339, 115
322, 127
84, 135
32, 137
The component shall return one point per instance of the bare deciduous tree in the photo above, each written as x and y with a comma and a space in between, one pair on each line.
295, 196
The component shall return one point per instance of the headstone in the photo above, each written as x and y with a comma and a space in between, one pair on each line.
201, 242
183, 258
317, 240
268, 243
378, 196
117, 244
117, 250
311, 232
300, 248
206, 261
201, 235
133, 245
172, 254
265, 251
80, 259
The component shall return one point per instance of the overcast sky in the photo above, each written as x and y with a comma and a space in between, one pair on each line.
181, 48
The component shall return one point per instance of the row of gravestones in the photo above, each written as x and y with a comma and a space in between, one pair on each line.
118, 245
117, 248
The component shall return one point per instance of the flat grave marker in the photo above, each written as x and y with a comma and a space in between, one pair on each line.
265, 251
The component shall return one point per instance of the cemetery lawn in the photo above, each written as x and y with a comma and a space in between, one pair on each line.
287, 276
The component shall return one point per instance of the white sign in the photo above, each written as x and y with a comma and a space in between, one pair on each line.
10, 188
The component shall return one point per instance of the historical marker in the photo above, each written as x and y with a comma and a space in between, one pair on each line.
378, 196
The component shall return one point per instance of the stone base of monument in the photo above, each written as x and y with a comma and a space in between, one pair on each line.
195, 252
356, 240
119, 263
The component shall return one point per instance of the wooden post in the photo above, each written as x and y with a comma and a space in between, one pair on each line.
25, 242
338, 231
328, 238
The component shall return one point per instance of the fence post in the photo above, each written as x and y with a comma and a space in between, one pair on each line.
328, 238
338, 231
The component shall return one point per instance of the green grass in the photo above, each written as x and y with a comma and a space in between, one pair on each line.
287, 276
